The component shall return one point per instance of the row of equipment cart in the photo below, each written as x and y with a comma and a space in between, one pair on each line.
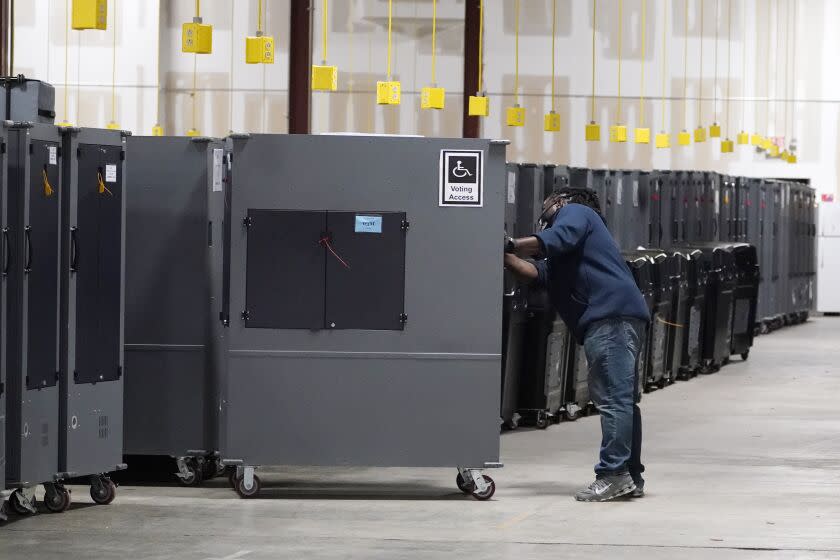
718, 259
308, 300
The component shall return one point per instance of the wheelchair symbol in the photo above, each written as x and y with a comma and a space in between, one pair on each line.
460, 172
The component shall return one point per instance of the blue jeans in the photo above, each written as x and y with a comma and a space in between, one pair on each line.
612, 350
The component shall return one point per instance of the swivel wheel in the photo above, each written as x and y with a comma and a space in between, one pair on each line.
745, 355
103, 492
247, 492
542, 420
488, 491
193, 476
573, 413
463, 485
57, 498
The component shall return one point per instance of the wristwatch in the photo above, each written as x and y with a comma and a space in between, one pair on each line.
510, 245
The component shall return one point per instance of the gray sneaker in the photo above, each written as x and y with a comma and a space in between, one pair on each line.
640, 489
607, 488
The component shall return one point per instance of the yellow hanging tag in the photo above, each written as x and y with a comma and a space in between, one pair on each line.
388, 93
792, 158
259, 49
48, 190
743, 138
766, 144
479, 106
90, 14
197, 37
756, 140
64, 124
642, 135
684, 138
515, 116
432, 98
714, 131
112, 126
784, 155
618, 133
593, 132
700, 135
193, 132
774, 150
102, 189
727, 146
551, 122
157, 130
324, 78
663, 140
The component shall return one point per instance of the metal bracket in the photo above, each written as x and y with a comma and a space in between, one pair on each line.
246, 315
474, 475
247, 221
183, 472
403, 318
404, 225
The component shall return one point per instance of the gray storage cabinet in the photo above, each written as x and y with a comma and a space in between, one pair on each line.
169, 392
362, 319
92, 310
32, 333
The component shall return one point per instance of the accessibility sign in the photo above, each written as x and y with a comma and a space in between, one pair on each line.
461, 178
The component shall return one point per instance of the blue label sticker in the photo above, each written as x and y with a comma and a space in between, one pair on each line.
368, 224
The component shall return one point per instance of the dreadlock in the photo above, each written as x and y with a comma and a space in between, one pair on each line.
576, 195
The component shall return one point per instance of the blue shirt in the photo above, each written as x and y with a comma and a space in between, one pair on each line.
584, 272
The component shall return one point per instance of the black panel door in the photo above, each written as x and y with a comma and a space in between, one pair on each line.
365, 270
285, 269
41, 261
96, 257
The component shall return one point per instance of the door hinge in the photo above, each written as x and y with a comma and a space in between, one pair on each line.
119, 372
403, 318
223, 317
248, 221
404, 225
31, 148
79, 152
58, 151
75, 376
246, 315
122, 155
57, 376
3, 148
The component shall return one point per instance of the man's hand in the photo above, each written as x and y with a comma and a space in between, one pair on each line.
523, 246
522, 269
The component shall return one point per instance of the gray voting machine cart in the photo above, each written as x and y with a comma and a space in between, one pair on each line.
361, 317
171, 241
92, 307
4, 271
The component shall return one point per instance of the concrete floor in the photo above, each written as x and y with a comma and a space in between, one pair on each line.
741, 464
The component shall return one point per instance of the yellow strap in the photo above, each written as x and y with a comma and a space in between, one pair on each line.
618, 108
793, 75
259, 16
677, 325
516, 73
594, 26
114, 69
728, 66
102, 189
767, 68
434, 42
664, 56
480, 44
642, 94
195, 80
390, 7
66, 51
48, 190
197, 8
717, 27
743, 73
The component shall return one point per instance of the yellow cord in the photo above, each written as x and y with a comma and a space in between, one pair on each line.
157, 72
480, 44
778, 57
66, 52
198, 8
390, 7
195, 78
743, 72
516, 73
114, 70
787, 68
685, 71
793, 74
664, 56
717, 27
618, 109
594, 20
767, 67
728, 66
230, 84
700, 96
642, 94
102, 189
434, 42
48, 189
259, 17
324, 15
553, 39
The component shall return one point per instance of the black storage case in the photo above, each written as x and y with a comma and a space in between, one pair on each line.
745, 298
717, 323
679, 330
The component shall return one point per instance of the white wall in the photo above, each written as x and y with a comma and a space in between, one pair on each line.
358, 31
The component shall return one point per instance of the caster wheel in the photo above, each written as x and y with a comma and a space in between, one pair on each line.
572, 416
745, 355
488, 492
232, 478
244, 492
57, 500
464, 486
511, 424
542, 421
193, 476
104, 492
22, 509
